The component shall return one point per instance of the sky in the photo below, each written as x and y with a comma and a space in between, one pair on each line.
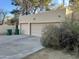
6, 4
58, 2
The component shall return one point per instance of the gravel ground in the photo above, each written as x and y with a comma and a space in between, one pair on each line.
50, 54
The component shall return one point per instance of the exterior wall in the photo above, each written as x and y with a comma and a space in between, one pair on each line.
24, 28
49, 16
34, 24
70, 14
76, 15
3, 29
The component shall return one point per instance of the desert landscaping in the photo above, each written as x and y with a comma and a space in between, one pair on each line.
51, 54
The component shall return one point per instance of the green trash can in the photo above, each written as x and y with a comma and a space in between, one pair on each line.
16, 31
9, 31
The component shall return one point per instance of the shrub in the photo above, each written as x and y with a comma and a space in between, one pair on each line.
69, 35
66, 36
50, 36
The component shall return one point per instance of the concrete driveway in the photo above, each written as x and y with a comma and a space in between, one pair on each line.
17, 47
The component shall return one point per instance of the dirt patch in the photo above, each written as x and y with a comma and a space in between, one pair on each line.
50, 54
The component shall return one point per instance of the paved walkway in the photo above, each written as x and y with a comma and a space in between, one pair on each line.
17, 47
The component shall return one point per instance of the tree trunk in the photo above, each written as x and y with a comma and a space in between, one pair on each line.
3, 19
35, 10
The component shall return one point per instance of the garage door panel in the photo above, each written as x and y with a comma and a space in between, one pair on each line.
37, 29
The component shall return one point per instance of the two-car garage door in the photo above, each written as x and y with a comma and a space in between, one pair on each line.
33, 29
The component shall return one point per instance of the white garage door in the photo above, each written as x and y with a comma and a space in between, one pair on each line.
36, 29
24, 29
33, 29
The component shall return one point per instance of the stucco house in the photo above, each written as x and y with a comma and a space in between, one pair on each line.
34, 24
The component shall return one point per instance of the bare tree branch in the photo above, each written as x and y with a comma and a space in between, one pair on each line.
2, 15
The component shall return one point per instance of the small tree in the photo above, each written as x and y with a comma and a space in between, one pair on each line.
2, 15
16, 17
11, 21
31, 6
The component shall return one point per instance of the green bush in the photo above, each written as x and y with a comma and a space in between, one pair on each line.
65, 37
50, 36
69, 35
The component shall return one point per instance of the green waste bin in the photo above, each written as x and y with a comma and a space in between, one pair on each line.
16, 31
9, 31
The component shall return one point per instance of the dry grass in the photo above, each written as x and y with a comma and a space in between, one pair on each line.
50, 54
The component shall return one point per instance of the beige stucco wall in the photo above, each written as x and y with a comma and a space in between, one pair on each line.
76, 15
70, 14
4, 28
49, 16
34, 24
